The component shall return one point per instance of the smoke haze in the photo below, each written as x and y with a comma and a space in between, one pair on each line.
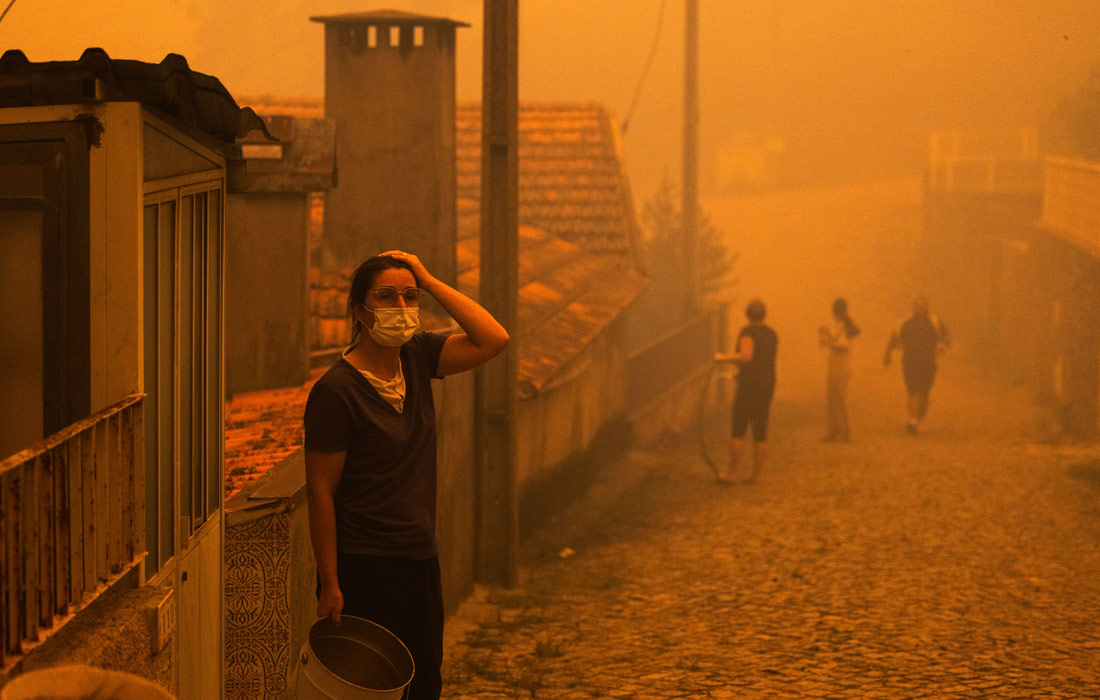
792, 91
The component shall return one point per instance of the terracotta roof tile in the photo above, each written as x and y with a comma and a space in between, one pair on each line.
261, 429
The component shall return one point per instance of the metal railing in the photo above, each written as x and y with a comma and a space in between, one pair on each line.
72, 521
1071, 202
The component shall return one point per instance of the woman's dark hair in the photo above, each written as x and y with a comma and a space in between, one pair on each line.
756, 310
840, 310
363, 279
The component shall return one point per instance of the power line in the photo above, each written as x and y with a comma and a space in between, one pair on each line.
4, 14
645, 70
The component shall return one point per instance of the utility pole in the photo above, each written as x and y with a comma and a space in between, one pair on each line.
689, 208
497, 509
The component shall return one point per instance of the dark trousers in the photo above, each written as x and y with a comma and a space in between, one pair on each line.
406, 597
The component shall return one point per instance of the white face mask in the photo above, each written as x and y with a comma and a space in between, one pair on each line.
393, 327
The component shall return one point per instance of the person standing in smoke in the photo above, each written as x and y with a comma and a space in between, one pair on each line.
921, 337
837, 339
755, 356
370, 453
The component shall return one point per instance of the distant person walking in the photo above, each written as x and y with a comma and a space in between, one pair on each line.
755, 356
837, 339
921, 337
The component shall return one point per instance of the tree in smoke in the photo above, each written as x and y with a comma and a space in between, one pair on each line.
664, 249
1077, 121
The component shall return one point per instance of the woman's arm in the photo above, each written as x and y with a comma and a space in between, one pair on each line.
323, 471
742, 356
482, 339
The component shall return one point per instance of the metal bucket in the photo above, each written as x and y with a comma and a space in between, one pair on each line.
357, 659
81, 683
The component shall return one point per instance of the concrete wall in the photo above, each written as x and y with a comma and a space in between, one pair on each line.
266, 291
116, 255
113, 239
394, 109
1074, 332
563, 418
1022, 307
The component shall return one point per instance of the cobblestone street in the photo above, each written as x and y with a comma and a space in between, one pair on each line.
961, 563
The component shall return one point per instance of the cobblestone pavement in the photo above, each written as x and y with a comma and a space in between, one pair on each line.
961, 563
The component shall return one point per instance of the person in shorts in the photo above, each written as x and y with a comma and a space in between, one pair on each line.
922, 337
755, 355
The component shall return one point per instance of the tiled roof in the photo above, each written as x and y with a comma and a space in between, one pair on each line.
261, 429
566, 299
573, 181
572, 178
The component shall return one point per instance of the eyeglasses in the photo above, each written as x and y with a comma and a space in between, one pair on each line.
389, 295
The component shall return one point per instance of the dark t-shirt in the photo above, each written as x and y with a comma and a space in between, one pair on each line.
385, 501
759, 373
918, 337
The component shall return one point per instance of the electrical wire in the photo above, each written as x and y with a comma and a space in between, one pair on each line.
645, 70
5, 12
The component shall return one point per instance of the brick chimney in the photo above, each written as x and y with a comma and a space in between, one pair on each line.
390, 88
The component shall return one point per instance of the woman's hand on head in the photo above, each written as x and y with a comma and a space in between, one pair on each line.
330, 603
419, 271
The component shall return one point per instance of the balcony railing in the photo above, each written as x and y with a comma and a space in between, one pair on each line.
1071, 202
987, 162
72, 521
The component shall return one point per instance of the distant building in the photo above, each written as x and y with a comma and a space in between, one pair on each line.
267, 252
1065, 274
1013, 246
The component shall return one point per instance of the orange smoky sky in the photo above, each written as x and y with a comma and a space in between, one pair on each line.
844, 89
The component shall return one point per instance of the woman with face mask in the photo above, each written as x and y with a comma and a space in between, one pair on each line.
370, 452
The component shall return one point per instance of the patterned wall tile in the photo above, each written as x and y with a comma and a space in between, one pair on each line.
257, 626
